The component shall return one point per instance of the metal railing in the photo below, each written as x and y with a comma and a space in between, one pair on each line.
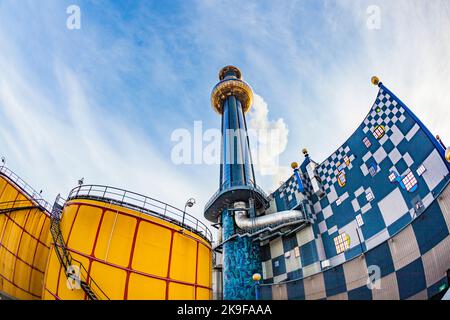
229, 184
26, 188
143, 204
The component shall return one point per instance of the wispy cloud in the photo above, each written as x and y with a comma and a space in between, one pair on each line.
102, 102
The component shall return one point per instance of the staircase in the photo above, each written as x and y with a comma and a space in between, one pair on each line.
64, 256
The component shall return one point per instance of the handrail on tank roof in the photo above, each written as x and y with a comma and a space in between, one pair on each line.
26, 188
142, 204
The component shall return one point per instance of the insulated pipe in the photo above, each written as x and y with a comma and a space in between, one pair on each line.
246, 223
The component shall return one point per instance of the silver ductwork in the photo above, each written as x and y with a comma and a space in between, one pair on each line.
244, 222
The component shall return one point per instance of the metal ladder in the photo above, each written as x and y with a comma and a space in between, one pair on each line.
64, 255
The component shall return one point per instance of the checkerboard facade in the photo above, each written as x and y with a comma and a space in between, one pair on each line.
383, 199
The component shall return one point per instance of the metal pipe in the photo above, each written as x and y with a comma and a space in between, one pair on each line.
246, 223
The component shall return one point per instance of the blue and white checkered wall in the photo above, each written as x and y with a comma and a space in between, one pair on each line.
372, 207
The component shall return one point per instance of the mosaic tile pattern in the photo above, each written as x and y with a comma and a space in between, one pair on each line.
370, 208
240, 262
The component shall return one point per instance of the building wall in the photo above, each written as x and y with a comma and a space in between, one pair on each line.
369, 208
24, 244
129, 255
413, 265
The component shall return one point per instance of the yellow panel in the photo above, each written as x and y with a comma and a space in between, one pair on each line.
40, 259
27, 248
151, 252
121, 240
7, 265
203, 294
9, 194
68, 216
36, 282
184, 253
3, 220
13, 240
146, 288
2, 186
84, 229
22, 274
103, 241
52, 271
31, 224
181, 292
204, 266
110, 279
19, 218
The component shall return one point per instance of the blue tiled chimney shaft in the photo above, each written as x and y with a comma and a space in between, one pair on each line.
231, 98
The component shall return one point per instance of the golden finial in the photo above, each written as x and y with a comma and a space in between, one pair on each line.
375, 81
447, 154
294, 165
305, 152
256, 277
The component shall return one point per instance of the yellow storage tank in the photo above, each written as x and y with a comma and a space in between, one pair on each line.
24, 238
115, 244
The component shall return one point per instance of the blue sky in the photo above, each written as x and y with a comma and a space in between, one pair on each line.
101, 102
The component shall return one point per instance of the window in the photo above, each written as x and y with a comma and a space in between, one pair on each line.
367, 142
340, 166
369, 196
342, 180
346, 160
379, 132
297, 252
338, 201
359, 220
373, 169
342, 242
410, 182
421, 170
392, 177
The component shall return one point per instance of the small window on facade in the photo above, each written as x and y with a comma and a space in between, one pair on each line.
392, 177
342, 180
277, 264
373, 169
338, 201
421, 170
359, 220
297, 252
410, 182
341, 166
346, 160
369, 196
367, 142
379, 132
342, 242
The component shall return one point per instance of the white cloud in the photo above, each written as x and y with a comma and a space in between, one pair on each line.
268, 142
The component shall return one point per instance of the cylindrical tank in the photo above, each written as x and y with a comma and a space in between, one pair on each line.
127, 246
24, 240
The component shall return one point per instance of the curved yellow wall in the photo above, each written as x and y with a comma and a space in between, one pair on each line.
130, 255
24, 245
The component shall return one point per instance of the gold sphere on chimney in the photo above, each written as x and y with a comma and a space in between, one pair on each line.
305, 151
447, 154
294, 165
